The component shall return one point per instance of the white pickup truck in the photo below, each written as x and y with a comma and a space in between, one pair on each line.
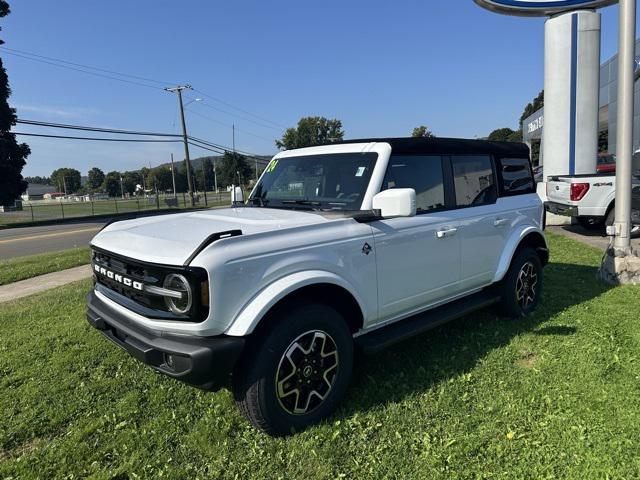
588, 198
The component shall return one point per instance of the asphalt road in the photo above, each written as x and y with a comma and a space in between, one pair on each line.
17, 242
594, 238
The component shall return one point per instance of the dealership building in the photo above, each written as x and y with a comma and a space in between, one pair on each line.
533, 126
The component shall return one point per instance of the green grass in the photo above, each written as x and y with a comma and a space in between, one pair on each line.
556, 395
21, 268
47, 211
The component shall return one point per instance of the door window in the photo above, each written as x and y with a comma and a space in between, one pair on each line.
473, 180
423, 173
516, 176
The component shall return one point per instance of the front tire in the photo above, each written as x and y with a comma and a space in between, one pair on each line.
521, 287
297, 373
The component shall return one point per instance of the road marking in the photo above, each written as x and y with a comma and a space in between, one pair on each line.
57, 234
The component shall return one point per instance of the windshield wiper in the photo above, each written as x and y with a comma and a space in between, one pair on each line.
302, 202
262, 202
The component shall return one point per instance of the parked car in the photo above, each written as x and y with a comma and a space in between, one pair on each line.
344, 247
606, 163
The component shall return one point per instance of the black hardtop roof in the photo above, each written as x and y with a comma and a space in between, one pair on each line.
427, 146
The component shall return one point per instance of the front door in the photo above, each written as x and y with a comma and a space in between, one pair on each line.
418, 258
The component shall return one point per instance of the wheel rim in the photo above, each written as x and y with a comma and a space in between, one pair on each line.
307, 372
526, 285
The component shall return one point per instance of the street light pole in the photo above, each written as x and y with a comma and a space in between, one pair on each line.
626, 60
185, 138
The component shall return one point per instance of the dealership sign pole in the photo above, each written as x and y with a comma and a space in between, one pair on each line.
571, 83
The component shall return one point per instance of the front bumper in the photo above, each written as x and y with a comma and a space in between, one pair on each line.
561, 209
204, 362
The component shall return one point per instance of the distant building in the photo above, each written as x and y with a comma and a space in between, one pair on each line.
37, 191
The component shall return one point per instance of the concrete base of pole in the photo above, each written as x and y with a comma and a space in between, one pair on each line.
620, 267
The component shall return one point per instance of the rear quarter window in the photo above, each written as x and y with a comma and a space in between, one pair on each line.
515, 176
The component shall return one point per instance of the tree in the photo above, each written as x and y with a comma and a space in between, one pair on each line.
67, 180
111, 184
532, 107
39, 180
13, 155
422, 132
230, 166
96, 178
311, 131
504, 135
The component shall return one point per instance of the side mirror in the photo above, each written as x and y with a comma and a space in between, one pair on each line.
397, 202
236, 195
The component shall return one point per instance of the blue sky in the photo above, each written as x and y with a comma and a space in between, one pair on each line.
381, 67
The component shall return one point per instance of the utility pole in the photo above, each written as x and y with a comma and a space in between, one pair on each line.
185, 138
121, 187
626, 60
620, 264
64, 182
204, 183
173, 176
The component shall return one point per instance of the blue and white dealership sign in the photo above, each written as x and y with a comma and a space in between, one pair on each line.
540, 7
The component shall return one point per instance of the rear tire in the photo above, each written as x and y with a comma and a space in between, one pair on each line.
521, 288
298, 370
611, 218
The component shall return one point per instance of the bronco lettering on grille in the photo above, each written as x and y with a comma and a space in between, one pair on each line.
118, 278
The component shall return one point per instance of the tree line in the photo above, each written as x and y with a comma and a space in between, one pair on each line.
229, 169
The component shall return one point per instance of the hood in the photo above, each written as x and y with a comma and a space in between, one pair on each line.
171, 239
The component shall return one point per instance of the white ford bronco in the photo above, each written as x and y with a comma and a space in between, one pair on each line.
340, 248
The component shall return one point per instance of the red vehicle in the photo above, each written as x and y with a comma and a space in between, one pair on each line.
606, 164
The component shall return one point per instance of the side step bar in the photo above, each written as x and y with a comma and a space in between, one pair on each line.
384, 337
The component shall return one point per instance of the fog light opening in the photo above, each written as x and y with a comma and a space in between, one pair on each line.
169, 360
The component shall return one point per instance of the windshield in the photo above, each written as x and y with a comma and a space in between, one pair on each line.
332, 181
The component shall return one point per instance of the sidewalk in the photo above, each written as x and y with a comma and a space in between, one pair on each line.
24, 288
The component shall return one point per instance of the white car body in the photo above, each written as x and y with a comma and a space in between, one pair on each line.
282, 251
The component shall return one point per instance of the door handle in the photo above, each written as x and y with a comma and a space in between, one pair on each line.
499, 222
450, 232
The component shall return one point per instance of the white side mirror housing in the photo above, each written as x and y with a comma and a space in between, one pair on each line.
396, 202
236, 195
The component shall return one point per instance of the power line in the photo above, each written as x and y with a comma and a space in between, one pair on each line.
22, 52
228, 125
96, 138
84, 71
102, 72
237, 108
93, 129
263, 125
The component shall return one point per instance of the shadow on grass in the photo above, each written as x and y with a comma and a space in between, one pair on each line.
419, 364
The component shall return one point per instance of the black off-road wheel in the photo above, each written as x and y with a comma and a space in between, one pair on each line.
521, 288
296, 370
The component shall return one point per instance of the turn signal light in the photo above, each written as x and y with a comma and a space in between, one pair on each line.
578, 191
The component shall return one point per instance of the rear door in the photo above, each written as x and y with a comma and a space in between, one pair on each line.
483, 225
418, 258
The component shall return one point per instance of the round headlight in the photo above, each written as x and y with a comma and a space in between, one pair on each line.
180, 284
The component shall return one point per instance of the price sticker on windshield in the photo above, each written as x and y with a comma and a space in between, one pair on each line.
272, 166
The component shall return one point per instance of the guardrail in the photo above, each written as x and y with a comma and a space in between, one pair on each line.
42, 211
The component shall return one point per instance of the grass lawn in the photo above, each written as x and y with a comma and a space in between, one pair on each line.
556, 395
30, 266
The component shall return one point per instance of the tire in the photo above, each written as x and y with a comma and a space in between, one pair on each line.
590, 223
611, 218
308, 343
515, 302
